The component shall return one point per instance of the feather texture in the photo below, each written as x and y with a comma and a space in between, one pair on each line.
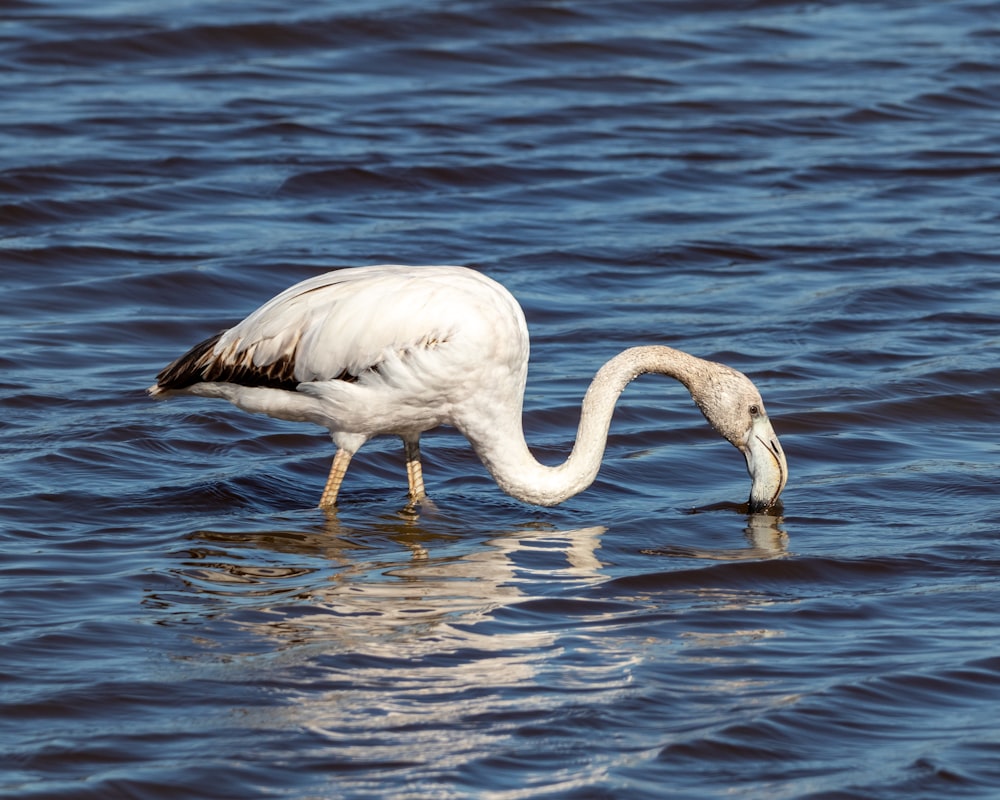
337, 326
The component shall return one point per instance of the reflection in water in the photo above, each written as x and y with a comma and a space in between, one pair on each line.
398, 589
392, 652
400, 583
765, 535
411, 644
403, 588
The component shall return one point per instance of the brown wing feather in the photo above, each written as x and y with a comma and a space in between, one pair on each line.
202, 365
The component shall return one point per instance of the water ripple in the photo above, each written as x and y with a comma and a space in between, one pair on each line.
782, 186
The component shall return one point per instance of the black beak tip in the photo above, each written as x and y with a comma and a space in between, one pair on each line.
759, 507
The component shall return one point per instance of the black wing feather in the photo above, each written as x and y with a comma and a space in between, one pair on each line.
201, 365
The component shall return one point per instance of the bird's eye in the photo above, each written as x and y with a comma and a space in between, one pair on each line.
755, 410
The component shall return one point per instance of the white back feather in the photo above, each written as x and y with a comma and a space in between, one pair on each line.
350, 320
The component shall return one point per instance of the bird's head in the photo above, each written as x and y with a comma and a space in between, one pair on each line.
733, 406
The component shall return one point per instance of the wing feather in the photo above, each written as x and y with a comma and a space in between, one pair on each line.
338, 326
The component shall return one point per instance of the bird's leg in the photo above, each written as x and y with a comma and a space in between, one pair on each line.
414, 473
337, 471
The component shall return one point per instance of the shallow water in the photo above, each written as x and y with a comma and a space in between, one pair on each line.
806, 191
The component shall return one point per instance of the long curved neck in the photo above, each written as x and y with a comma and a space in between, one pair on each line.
500, 444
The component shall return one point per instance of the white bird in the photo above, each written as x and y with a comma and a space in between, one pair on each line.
400, 350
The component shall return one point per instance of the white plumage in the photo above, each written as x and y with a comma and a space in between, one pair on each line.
400, 350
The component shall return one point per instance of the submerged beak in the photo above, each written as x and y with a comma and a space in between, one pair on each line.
766, 465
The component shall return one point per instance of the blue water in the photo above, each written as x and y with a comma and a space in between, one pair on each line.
805, 191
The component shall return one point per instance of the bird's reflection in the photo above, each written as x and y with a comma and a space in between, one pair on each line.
408, 577
764, 534
375, 587
385, 632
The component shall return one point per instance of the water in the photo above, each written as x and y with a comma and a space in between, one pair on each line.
806, 191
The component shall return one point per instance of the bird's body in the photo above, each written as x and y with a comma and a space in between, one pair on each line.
400, 350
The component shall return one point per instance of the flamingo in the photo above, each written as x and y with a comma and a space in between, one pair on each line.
401, 350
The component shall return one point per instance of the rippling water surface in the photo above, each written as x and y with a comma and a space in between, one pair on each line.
806, 191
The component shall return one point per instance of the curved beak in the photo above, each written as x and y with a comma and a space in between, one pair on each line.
766, 465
